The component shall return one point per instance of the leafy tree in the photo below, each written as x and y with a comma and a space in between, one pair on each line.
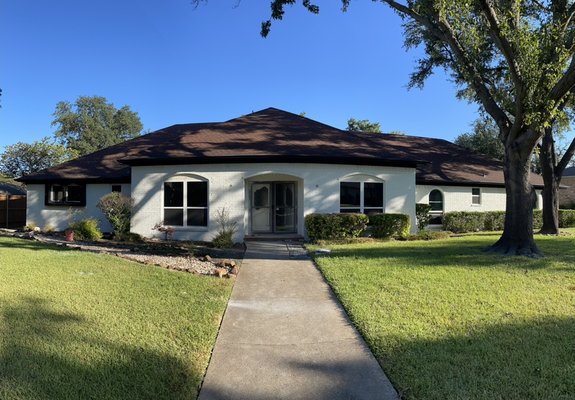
91, 124
363, 125
514, 58
25, 158
484, 139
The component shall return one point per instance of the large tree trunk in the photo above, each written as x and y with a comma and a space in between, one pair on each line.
517, 237
551, 185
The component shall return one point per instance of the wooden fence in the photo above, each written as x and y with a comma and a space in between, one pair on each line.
12, 211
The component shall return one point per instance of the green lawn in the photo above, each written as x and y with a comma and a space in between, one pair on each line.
447, 321
76, 325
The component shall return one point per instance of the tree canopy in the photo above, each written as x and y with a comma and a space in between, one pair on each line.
363, 125
484, 139
25, 158
92, 123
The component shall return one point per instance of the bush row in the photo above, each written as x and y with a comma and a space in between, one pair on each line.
335, 226
462, 221
344, 226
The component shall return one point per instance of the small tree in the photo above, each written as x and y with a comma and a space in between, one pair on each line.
117, 209
363, 125
422, 215
226, 229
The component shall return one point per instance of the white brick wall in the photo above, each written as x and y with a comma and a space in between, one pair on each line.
317, 191
458, 198
59, 216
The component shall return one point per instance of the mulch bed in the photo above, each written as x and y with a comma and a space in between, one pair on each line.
194, 257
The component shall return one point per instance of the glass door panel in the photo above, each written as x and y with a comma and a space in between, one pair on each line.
284, 207
261, 207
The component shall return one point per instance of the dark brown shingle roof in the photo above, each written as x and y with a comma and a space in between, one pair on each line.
273, 135
446, 163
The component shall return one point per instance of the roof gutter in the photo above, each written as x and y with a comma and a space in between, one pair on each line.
272, 159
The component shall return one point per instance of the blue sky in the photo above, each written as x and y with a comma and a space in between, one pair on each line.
173, 63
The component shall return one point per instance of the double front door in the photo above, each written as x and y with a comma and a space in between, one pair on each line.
273, 207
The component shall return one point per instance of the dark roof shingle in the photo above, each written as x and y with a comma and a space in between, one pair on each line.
273, 135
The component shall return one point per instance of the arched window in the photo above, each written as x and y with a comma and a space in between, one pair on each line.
436, 200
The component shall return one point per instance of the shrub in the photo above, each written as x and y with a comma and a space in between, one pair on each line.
537, 219
335, 226
86, 229
117, 209
566, 218
460, 221
389, 225
494, 221
422, 215
226, 229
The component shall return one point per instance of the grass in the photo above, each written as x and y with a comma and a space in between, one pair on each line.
447, 321
76, 325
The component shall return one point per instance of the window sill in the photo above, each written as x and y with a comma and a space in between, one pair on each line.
188, 228
64, 205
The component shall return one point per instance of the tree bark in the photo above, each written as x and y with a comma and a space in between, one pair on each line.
517, 237
551, 185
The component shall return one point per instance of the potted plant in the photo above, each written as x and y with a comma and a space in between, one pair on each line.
168, 231
69, 235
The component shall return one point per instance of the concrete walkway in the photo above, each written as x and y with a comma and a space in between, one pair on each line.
285, 336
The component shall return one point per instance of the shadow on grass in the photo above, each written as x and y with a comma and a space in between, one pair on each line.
43, 356
522, 360
28, 244
461, 252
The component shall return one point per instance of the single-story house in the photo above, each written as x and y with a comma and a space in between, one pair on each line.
268, 170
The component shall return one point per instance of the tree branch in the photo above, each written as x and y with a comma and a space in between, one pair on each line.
504, 45
563, 86
443, 32
565, 159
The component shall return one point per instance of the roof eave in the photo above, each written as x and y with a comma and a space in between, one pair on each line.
465, 183
59, 179
258, 159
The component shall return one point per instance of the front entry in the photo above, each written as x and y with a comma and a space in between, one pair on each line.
273, 207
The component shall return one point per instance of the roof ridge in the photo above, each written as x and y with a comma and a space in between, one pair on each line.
286, 112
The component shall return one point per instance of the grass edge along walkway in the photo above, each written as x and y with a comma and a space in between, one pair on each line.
448, 321
82, 325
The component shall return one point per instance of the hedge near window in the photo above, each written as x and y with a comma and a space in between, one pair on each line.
385, 226
335, 226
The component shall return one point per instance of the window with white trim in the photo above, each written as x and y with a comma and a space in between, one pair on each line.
361, 197
71, 194
436, 204
436, 200
186, 203
476, 196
